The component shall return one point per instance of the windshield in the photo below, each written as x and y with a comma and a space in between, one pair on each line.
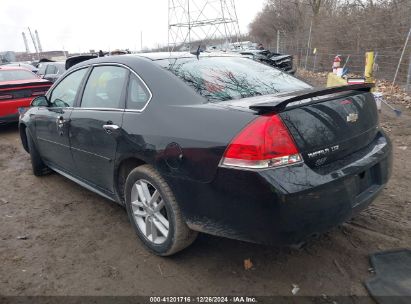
227, 78
10, 75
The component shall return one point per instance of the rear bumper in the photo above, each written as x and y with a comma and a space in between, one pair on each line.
9, 119
284, 206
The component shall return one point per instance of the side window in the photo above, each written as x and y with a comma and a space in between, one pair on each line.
51, 69
42, 69
138, 95
64, 94
105, 87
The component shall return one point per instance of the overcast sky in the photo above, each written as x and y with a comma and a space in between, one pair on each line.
79, 26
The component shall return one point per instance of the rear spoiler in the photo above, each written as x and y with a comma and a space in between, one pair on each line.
279, 106
26, 85
46, 60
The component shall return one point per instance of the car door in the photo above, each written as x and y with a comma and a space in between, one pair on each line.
96, 125
51, 73
52, 123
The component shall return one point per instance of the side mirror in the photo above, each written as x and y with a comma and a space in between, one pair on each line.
40, 101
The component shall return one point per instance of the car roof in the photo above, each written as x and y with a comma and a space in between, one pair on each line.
60, 64
131, 59
177, 55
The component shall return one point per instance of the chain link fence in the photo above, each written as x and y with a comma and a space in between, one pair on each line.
391, 62
387, 61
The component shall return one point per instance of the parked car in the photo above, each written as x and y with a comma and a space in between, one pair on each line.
221, 144
51, 70
23, 65
280, 61
18, 87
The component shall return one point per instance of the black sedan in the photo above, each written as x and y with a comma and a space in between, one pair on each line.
213, 143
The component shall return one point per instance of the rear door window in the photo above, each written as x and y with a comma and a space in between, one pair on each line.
105, 88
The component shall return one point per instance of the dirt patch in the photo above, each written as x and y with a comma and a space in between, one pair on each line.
57, 238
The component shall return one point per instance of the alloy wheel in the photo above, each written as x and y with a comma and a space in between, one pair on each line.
149, 212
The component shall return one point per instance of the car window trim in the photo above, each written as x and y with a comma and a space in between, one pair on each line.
77, 105
99, 109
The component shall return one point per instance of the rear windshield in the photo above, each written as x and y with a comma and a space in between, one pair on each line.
227, 78
11, 75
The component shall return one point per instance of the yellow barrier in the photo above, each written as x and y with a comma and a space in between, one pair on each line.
369, 64
334, 80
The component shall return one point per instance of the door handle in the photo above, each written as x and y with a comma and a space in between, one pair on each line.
60, 122
110, 128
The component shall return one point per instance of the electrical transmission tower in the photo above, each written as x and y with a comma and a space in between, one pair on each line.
194, 21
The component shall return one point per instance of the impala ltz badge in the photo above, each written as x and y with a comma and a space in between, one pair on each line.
324, 152
352, 117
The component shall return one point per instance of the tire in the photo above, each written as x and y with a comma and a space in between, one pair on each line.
37, 164
179, 236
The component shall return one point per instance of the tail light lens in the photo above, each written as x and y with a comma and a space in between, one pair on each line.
264, 143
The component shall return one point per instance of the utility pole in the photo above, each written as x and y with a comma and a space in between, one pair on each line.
399, 63
189, 25
141, 41
278, 41
408, 86
308, 44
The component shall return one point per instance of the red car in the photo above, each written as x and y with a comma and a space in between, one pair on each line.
18, 87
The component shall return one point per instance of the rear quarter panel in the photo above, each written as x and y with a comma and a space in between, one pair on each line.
179, 133
10, 107
181, 141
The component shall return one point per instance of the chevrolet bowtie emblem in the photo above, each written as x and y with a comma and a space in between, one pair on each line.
352, 117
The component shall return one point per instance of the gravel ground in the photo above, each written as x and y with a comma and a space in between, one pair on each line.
57, 238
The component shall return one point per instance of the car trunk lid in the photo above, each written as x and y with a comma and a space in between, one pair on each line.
23, 89
332, 129
326, 124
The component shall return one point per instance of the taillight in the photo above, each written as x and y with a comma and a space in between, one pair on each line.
6, 96
264, 143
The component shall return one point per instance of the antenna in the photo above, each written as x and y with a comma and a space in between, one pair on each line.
26, 44
38, 41
201, 20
